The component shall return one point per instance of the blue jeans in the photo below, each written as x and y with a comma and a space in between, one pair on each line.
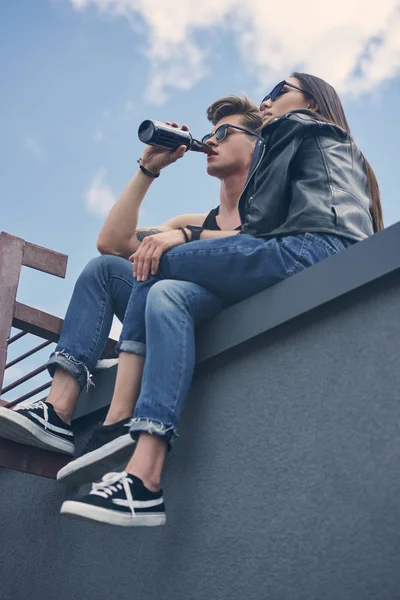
195, 281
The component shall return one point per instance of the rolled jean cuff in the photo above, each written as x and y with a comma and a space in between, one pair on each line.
168, 432
74, 367
132, 347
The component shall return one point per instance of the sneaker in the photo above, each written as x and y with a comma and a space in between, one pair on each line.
119, 499
37, 424
108, 446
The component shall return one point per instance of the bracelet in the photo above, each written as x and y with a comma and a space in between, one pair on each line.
146, 171
185, 234
196, 231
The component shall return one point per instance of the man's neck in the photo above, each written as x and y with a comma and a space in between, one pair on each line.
231, 188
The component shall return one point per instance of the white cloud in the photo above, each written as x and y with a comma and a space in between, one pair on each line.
98, 135
99, 198
33, 146
383, 60
338, 44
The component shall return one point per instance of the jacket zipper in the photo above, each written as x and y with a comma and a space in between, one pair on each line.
254, 170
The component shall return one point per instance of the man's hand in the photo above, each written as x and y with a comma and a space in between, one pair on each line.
154, 159
147, 258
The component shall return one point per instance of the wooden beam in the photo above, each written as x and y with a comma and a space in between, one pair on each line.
43, 259
37, 322
29, 459
11, 253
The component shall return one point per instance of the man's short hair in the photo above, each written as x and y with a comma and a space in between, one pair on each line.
234, 105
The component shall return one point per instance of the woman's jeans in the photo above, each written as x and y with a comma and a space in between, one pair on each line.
194, 282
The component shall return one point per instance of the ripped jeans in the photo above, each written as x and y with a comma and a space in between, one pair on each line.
105, 288
195, 281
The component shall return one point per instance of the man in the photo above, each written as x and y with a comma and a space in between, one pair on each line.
107, 287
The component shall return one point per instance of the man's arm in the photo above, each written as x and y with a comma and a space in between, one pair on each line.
208, 234
146, 260
136, 237
118, 234
170, 225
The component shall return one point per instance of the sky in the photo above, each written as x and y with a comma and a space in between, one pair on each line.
77, 78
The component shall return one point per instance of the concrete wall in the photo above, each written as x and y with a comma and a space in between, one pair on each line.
283, 485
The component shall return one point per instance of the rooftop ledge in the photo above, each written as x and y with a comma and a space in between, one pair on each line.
332, 278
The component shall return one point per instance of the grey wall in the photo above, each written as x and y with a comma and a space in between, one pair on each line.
284, 484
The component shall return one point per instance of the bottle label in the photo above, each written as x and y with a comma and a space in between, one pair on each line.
170, 128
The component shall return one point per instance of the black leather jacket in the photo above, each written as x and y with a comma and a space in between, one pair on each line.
306, 175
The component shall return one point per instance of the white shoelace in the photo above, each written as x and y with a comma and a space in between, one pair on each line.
113, 482
37, 404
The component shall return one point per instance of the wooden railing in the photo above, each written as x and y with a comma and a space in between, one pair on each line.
14, 254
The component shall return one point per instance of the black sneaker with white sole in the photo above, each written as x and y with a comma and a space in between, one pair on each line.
37, 424
108, 446
119, 499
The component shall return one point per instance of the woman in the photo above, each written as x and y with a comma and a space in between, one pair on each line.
309, 194
319, 97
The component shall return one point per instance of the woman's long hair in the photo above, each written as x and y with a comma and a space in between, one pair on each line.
330, 109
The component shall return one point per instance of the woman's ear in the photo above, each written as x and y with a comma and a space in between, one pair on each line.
313, 106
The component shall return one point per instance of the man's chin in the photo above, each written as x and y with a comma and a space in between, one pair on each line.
213, 170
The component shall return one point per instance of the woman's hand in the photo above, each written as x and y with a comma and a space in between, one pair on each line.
154, 159
147, 258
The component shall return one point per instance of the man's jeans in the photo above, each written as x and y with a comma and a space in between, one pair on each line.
195, 281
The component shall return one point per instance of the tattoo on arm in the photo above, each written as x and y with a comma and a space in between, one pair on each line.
142, 234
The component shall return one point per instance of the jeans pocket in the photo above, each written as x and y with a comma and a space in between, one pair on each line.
331, 244
302, 251
292, 251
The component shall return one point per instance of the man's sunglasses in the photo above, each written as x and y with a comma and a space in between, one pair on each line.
221, 133
278, 89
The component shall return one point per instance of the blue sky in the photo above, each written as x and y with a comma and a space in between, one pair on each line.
78, 77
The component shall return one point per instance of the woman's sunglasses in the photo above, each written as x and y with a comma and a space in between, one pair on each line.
277, 90
221, 132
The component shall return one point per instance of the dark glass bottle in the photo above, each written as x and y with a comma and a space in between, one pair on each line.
161, 135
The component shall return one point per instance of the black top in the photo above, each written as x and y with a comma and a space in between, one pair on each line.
211, 222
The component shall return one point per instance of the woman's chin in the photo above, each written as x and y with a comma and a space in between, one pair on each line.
267, 119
